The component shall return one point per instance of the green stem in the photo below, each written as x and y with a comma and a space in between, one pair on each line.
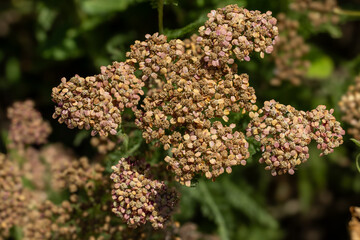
357, 162
160, 15
340, 11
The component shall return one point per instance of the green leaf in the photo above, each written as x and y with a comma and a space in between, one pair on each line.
321, 67
80, 137
242, 201
218, 217
12, 70
192, 27
105, 6
357, 162
355, 141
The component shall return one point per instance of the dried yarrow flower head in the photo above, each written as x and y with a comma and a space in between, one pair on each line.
289, 53
350, 106
285, 133
193, 84
210, 151
233, 32
12, 196
97, 102
137, 198
27, 125
325, 130
318, 12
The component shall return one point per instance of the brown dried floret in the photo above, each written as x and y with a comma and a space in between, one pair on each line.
289, 52
350, 106
137, 198
97, 102
27, 125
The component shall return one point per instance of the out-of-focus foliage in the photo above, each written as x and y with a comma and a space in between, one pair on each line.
44, 40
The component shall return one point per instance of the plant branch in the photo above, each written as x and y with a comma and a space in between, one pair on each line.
160, 15
340, 11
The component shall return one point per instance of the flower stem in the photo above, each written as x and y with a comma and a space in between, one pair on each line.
160, 15
340, 11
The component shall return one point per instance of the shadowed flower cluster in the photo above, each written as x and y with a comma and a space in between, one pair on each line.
289, 52
285, 133
350, 106
27, 125
97, 102
318, 12
139, 199
12, 196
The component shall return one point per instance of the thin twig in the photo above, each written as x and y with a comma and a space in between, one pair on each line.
160, 15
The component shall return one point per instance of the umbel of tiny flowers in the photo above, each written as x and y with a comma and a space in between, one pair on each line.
97, 102
137, 198
285, 133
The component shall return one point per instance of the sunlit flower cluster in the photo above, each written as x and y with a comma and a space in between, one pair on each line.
285, 133
97, 102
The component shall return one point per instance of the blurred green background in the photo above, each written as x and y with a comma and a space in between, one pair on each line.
42, 41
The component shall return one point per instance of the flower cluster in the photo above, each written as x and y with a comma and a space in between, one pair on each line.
97, 102
27, 125
326, 131
349, 105
139, 199
193, 83
288, 53
12, 195
318, 12
285, 133
47, 220
105, 144
236, 31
